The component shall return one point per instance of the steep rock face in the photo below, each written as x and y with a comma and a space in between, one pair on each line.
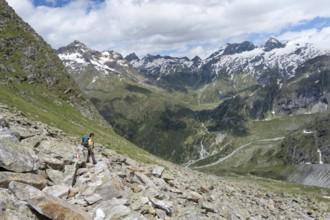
305, 93
26, 58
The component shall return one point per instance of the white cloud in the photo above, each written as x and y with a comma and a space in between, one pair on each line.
319, 38
151, 26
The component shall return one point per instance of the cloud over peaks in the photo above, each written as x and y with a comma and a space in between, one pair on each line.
153, 26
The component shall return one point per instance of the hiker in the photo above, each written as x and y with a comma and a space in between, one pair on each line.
90, 148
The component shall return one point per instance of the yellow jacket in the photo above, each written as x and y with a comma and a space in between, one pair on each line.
90, 143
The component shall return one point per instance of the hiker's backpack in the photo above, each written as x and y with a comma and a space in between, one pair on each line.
84, 141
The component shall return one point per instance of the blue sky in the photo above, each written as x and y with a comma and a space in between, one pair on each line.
175, 27
58, 3
50, 3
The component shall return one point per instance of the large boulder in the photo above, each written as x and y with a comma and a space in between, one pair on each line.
47, 205
35, 180
113, 208
60, 149
55, 176
59, 191
13, 209
16, 157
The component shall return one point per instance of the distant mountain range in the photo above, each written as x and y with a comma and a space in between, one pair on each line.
272, 61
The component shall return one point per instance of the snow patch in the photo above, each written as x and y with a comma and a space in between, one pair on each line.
76, 57
307, 132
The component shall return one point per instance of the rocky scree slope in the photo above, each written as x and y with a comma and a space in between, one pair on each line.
43, 176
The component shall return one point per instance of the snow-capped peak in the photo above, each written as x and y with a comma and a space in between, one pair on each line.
274, 55
273, 43
77, 43
77, 55
80, 59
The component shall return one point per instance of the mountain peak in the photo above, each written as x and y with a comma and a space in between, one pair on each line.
132, 57
196, 58
238, 48
74, 46
273, 43
77, 43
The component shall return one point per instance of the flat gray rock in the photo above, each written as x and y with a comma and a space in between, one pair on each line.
35, 180
59, 191
47, 205
55, 176
157, 171
164, 205
16, 157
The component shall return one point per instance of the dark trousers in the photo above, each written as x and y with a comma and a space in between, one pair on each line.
90, 153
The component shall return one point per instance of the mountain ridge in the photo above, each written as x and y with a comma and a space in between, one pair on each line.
234, 60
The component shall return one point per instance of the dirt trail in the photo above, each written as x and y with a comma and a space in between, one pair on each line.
236, 150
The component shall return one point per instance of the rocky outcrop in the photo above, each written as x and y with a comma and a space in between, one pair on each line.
118, 187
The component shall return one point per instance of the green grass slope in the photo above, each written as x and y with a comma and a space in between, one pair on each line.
34, 81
